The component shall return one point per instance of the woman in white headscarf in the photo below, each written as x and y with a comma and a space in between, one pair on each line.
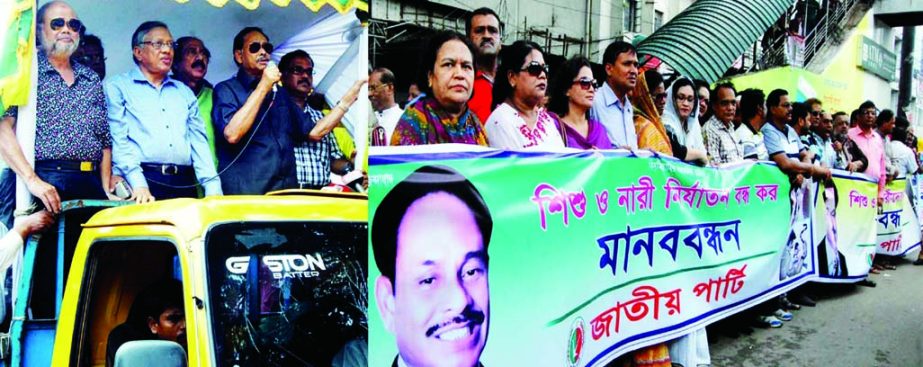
680, 120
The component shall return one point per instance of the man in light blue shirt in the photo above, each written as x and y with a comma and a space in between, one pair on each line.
159, 142
612, 107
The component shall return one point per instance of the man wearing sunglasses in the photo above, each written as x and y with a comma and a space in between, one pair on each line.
72, 141
158, 135
484, 30
815, 109
257, 124
315, 159
190, 64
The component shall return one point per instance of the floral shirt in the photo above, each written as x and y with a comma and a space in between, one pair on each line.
506, 129
70, 120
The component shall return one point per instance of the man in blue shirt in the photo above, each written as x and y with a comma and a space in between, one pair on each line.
782, 142
256, 123
612, 107
158, 137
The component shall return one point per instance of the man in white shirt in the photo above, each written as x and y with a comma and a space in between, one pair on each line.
752, 111
902, 158
381, 94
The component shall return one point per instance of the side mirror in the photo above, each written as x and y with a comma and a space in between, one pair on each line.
143, 353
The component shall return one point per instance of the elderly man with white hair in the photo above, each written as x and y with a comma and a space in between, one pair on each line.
73, 157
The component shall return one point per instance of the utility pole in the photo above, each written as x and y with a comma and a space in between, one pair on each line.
906, 79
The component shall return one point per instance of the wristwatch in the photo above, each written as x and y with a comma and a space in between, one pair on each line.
348, 168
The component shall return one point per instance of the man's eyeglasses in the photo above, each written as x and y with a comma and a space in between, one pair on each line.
816, 113
298, 70
374, 88
586, 84
160, 45
870, 112
74, 24
255, 47
535, 68
660, 97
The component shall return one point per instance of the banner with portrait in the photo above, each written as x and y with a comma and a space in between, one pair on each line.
591, 254
897, 225
846, 213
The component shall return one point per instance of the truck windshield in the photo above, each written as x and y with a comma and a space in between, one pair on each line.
287, 294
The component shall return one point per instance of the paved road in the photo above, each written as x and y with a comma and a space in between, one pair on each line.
851, 326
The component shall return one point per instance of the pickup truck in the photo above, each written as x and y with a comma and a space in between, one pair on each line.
267, 280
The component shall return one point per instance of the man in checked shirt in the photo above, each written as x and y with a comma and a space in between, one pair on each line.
316, 159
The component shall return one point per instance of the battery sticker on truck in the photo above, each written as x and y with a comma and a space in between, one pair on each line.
281, 266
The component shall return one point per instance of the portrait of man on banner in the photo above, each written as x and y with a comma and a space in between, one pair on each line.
831, 260
430, 236
799, 242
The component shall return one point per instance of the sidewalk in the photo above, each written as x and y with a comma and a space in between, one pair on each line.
851, 326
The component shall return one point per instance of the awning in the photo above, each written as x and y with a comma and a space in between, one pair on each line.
340, 5
706, 38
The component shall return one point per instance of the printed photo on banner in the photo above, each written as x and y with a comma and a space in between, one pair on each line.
584, 267
191, 177
430, 239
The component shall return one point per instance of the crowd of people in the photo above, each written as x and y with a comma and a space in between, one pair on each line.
161, 130
474, 92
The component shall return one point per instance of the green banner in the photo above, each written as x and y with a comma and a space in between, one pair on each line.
897, 223
587, 256
846, 214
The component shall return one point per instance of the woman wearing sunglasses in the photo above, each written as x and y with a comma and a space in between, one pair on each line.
572, 92
447, 79
680, 119
517, 121
651, 134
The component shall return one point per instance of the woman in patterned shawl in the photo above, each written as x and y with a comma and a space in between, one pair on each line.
442, 115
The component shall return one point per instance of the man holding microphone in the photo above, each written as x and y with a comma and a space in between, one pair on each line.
256, 123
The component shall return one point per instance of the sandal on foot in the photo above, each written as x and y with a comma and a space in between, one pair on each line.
783, 315
769, 321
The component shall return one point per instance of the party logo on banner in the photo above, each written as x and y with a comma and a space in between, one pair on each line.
584, 262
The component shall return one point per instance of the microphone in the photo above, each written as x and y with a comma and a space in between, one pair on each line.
275, 86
